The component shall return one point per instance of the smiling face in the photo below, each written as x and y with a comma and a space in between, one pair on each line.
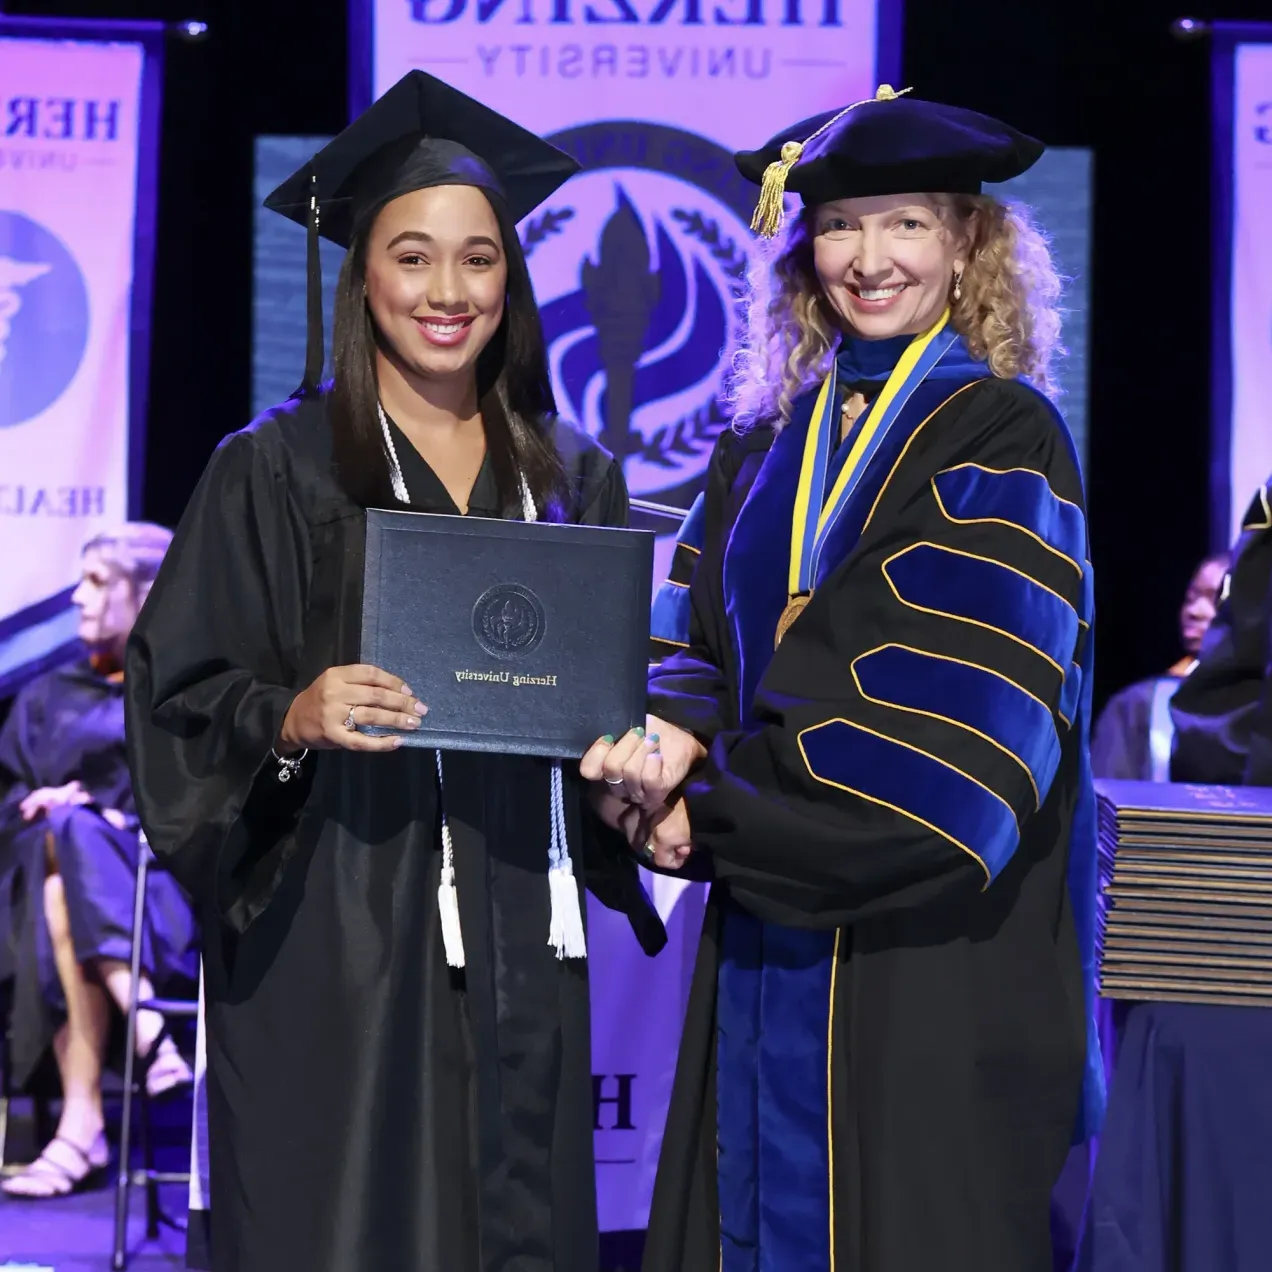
887, 264
1200, 604
436, 276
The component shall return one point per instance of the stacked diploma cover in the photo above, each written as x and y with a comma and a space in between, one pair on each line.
1186, 873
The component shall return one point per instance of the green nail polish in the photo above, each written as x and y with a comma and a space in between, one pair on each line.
653, 739
640, 733
608, 739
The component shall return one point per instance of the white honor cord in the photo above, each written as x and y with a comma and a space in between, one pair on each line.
447, 893
565, 926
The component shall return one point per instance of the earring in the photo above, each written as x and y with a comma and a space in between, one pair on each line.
958, 284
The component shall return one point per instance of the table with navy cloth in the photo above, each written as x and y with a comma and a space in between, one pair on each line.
1183, 1177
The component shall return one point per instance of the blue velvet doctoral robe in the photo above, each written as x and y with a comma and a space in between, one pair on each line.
888, 1050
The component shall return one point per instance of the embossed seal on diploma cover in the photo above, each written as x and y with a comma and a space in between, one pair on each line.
508, 621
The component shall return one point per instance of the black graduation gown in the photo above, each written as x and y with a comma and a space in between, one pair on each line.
368, 1107
904, 1042
1223, 711
68, 725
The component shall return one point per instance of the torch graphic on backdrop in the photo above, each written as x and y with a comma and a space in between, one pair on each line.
639, 280
620, 293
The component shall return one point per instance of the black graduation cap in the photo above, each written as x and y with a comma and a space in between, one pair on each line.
890, 144
421, 133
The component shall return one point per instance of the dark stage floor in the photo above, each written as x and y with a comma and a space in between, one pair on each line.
75, 1234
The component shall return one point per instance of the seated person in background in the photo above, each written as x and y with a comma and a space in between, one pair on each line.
1132, 738
1223, 711
68, 865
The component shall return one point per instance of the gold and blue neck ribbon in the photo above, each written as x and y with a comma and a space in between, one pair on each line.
816, 512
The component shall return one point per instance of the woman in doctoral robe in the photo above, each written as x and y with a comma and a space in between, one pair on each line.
399, 1071
880, 699
68, 876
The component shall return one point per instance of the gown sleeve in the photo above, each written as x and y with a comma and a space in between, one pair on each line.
687, 684
609, 505
1223, 710
670, 620
610, 869
913, 720
1258, 764
209, 676
17, 779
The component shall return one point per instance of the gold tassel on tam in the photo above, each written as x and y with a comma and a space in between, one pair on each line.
771, 209
772, 205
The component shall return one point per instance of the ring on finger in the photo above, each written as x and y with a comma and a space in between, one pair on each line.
613, 781
349, 722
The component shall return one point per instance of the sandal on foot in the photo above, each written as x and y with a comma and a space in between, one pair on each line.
48, 1178
165, 1070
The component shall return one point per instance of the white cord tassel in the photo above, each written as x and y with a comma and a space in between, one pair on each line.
447, 893
565, 929
565, 926
400, 491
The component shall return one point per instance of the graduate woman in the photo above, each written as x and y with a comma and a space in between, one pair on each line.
884, 697
388, 1090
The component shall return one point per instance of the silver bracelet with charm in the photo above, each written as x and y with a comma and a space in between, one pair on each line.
289, 765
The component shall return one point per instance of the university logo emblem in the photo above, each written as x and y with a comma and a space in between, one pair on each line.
638, 266
43, 318
508, 621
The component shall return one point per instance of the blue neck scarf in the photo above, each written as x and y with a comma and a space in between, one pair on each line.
866, 361
865, 365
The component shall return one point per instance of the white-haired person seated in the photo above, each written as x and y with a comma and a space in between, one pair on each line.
68, 864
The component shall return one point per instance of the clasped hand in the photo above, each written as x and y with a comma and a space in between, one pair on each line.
637, 776
40, 803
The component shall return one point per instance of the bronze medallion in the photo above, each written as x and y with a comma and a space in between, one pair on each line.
794, 608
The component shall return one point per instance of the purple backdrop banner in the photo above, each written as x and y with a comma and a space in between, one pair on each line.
79, 105
637, 265
1241, 426
636, 262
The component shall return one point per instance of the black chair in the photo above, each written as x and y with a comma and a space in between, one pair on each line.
6, 1076
135, 1091
41, 1109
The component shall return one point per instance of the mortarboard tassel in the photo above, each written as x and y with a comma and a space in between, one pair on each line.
771, 209
772, 205
314, 354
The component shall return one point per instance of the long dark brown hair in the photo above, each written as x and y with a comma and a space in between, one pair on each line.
514, 388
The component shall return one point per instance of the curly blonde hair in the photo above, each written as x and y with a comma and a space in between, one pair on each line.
1009, 312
